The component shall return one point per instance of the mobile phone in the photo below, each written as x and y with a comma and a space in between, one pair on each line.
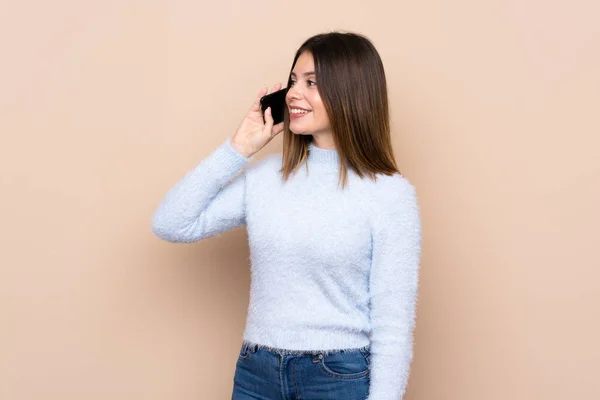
276, 101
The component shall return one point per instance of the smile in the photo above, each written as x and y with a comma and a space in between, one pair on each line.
298, 111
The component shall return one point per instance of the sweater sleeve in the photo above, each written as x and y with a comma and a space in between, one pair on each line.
207, 201
396, 235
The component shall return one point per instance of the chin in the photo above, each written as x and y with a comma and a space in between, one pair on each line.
299, 132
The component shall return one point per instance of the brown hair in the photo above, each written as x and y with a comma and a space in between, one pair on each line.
352, 86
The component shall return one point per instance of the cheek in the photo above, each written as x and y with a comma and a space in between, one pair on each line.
319, 108
318, 104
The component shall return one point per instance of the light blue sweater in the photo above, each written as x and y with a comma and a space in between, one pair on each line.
330, 268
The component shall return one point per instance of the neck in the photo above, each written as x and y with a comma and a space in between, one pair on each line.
323, 140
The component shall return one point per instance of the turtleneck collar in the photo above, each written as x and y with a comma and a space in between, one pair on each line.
318, 155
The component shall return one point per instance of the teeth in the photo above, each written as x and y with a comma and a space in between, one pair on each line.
297, 111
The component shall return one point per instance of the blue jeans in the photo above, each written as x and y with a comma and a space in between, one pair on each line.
267, 375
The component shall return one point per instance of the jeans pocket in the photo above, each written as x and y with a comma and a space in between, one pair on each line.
345, 365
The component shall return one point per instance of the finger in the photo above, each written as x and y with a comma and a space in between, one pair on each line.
268, 121
278, 128
276, 87
256, 104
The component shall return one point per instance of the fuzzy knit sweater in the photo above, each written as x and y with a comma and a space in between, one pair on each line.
330, 268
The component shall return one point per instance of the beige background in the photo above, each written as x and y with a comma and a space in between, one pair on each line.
104, 105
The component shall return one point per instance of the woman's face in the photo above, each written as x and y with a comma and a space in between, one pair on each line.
307, 112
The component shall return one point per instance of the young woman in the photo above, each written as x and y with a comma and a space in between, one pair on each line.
334, 271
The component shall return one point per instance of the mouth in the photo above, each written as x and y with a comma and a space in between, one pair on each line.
296, 112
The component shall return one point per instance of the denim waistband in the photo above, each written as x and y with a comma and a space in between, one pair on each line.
247, 345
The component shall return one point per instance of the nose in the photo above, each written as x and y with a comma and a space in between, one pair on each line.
293, 93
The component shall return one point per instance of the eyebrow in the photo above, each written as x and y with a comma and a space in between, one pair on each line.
305, 74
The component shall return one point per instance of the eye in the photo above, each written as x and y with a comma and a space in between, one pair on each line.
292, 83
309, 82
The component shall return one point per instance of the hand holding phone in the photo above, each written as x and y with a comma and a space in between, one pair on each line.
276, 101
258, 129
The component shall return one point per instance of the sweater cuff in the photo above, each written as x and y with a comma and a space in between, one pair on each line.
224, 161
234, 152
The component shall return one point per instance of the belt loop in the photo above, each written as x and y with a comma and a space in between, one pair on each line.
366, 354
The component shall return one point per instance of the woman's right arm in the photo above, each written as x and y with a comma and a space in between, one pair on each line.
206, 201
210, 199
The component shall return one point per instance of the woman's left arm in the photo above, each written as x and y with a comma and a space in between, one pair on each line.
394, 279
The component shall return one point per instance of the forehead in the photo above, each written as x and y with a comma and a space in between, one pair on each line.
304, 63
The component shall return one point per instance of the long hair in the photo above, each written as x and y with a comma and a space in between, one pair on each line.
352, 85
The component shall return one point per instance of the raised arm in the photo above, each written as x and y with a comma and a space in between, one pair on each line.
208, 200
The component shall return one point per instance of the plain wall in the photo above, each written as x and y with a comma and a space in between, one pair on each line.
104, 105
